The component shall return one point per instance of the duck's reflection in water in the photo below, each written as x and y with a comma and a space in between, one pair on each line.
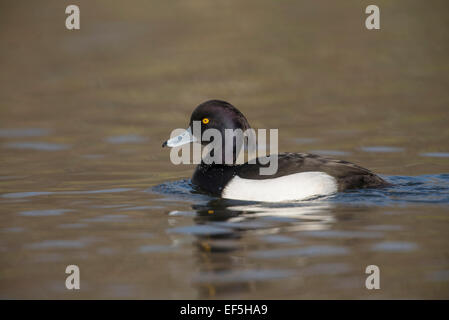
231, 237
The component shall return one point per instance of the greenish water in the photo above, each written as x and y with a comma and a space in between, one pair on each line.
83, 178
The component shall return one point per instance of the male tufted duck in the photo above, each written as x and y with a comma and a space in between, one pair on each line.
300, 176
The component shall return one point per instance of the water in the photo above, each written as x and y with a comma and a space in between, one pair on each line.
83, 178
189, 245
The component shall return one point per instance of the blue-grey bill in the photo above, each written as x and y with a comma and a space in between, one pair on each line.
183, 138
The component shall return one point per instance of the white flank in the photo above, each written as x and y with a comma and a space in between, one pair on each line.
297, 186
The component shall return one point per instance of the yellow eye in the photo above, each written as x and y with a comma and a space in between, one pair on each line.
205, 120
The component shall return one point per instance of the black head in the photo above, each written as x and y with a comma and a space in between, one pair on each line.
220, 115
212, 114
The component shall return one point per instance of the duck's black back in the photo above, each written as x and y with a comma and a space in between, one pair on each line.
213, 178
347, 174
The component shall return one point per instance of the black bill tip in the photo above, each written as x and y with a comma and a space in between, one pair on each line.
164, 144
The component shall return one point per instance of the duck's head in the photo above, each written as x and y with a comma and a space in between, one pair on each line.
212, 114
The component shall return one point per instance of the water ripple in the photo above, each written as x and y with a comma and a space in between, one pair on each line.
41, 146
45, 193
311, 251
382, 149
435, 154
130, 138
394, 246
201, 230
25, 132
242, 275
44, 213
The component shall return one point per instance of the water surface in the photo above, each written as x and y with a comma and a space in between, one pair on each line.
83, 179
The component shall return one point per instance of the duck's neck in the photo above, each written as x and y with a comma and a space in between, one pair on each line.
213, 177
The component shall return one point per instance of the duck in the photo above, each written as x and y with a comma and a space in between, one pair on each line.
299, 176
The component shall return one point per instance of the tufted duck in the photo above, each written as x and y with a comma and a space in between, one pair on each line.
300, 176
